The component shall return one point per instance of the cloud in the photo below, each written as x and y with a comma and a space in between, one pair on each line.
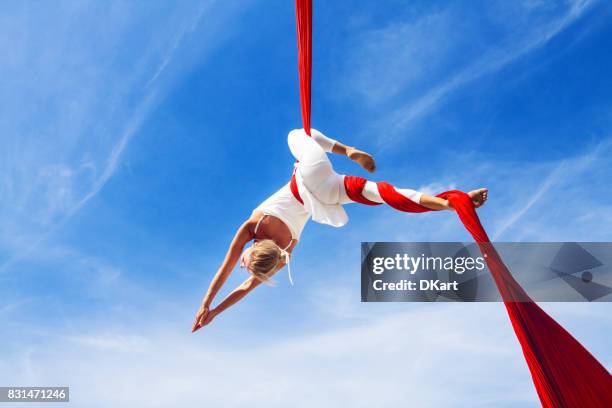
383, 64
538, 200
334, 350
349, 353
491, 62
427, 355
407, 63
114, 343
574, 173
385, 354
76, 105
435, 187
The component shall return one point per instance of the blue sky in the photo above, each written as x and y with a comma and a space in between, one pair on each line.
137, 136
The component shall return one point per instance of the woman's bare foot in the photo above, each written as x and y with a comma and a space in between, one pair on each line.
479, 196
364, 159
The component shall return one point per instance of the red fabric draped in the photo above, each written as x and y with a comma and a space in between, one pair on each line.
294, 188
565, 374
354, 186
303, 14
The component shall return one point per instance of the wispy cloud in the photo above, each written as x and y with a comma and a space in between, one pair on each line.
114, 343
117, 330
87, 155
530, 200
408, 63
419, 349
397, 350
489, 63
567, 171
535, 200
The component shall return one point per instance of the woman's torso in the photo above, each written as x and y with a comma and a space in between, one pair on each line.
283, 206
270, 227
319, 187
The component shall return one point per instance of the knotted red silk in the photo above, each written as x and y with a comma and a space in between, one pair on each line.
564, 373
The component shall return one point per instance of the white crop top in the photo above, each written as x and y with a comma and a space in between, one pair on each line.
284, 206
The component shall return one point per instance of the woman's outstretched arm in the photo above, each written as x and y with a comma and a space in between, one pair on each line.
242, 236
330, 145
478, 196
360, 157
237, 294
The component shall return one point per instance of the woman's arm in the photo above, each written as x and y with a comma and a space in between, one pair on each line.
341, 149
237, 294
330, 145
362, 158
231, 299
242, 236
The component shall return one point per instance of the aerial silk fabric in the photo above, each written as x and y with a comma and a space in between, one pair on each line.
564, 373
303, 11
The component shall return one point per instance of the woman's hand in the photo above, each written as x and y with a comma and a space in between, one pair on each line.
362, 158
202, 318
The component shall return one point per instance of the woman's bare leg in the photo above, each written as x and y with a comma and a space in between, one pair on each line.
435, 203
479, 197
370, 191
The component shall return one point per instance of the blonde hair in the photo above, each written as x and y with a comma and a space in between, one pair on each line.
265, 257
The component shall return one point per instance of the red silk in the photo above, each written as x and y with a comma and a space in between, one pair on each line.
398, 201
303, 17
294, 188
564, 373
354, 188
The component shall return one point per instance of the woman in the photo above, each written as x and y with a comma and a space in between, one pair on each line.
316, 191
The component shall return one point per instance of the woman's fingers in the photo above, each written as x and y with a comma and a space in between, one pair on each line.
372, 166
196, 326
196, 323
202, 313
362, 158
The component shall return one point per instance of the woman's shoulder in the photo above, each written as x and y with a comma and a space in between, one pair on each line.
255, 217
251, 222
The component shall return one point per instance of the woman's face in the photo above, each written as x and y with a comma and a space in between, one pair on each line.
246, 258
